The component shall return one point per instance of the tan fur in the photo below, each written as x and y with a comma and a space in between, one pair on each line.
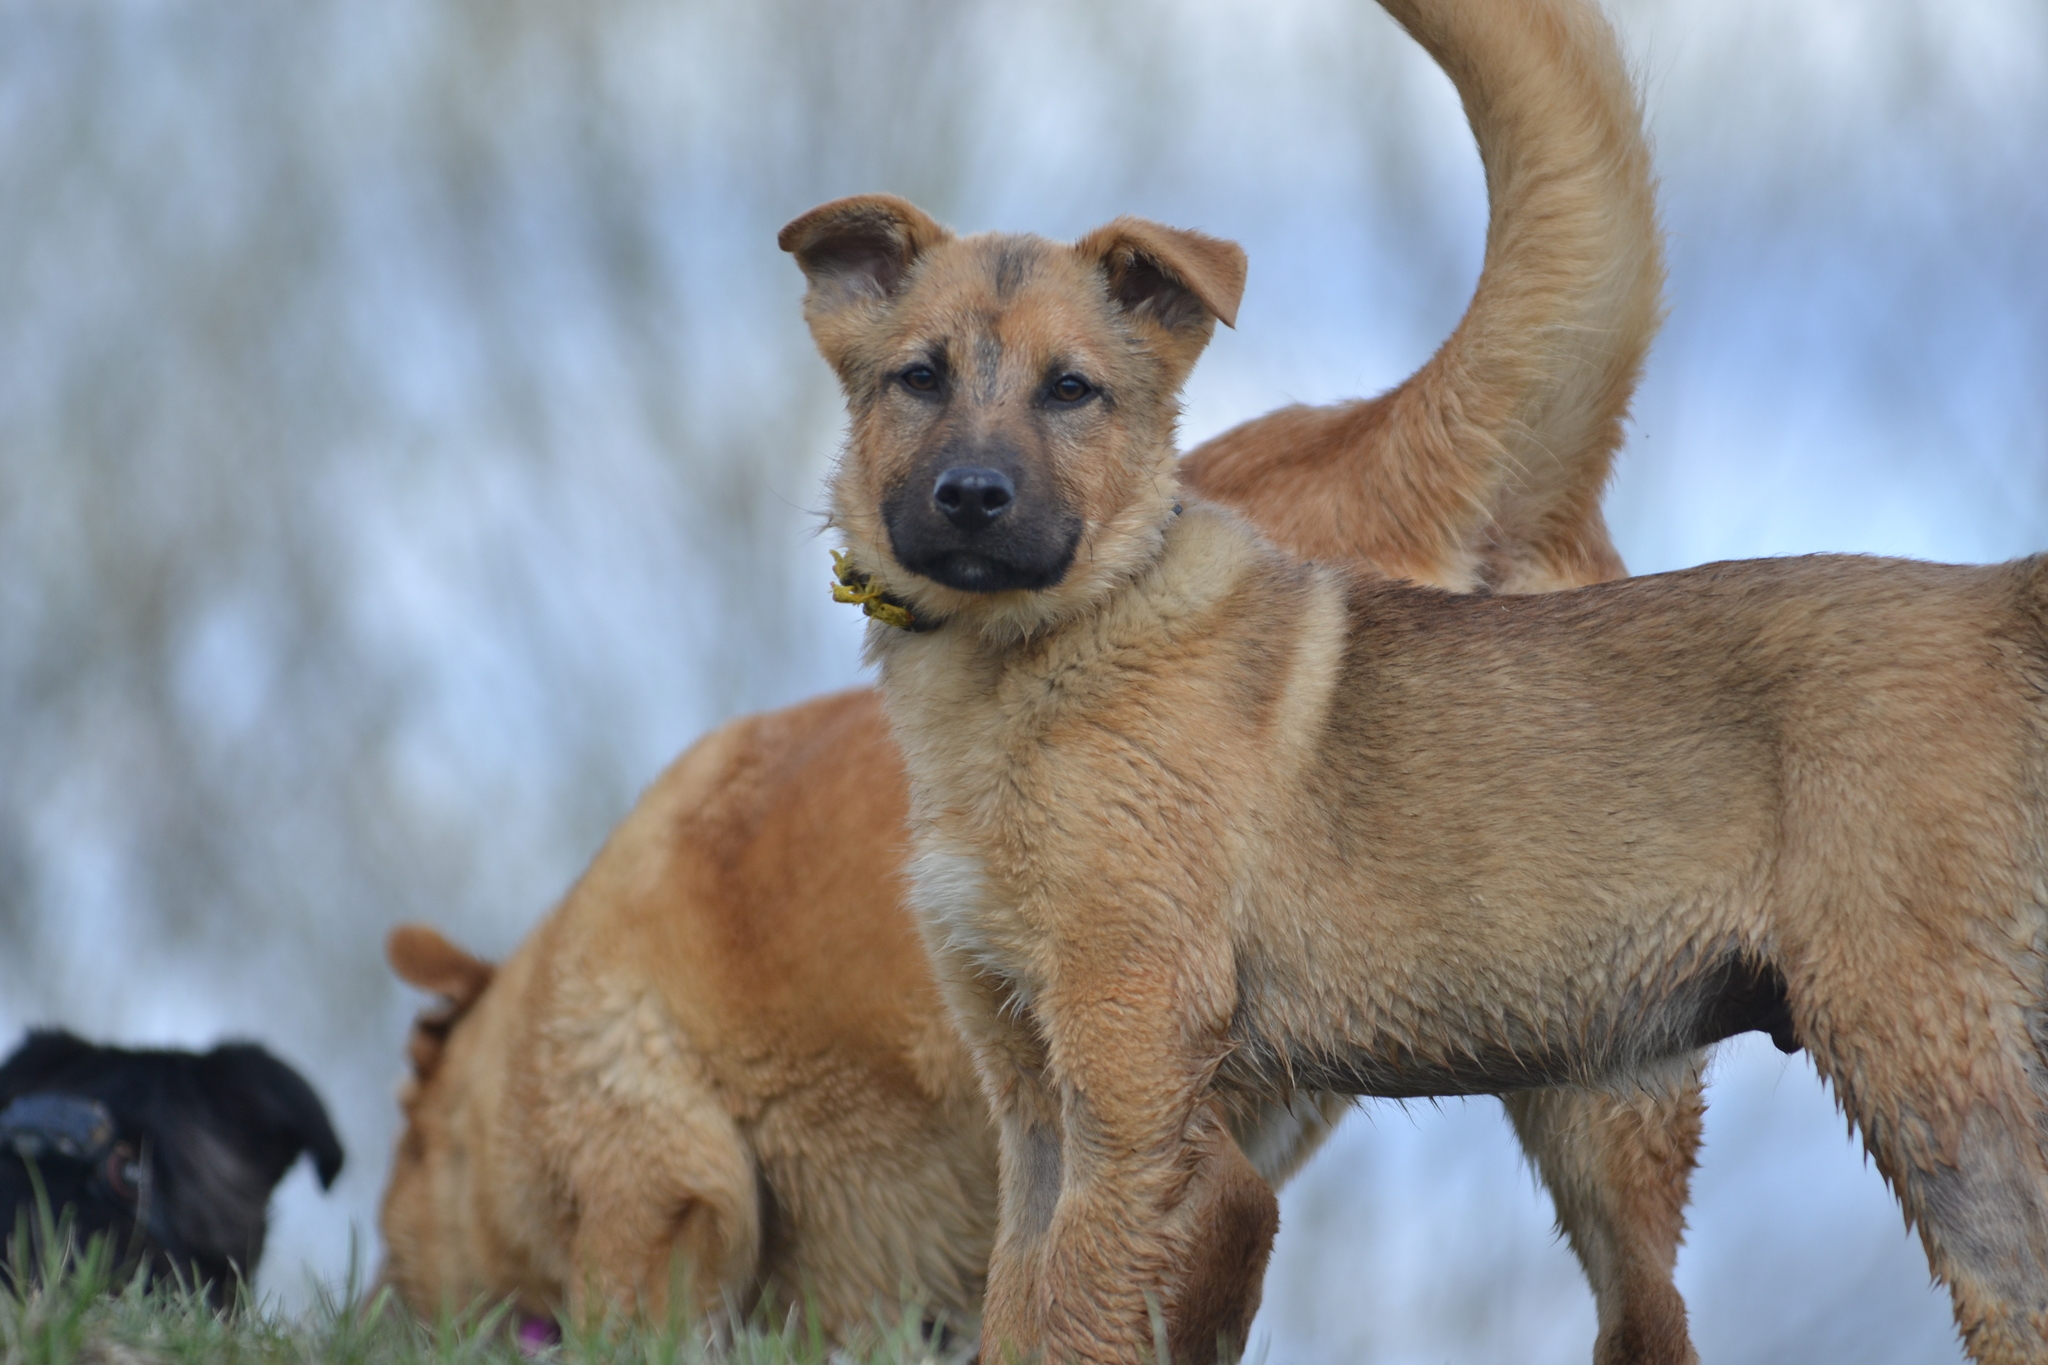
732, 1000
721, 1058
1196, 817
1479, 459
1521, 843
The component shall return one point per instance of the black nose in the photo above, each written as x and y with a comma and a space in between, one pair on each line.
972, 498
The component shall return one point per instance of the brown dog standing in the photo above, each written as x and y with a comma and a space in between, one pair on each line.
723, 1053
1196, 816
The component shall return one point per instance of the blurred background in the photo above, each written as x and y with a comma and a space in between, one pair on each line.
409, 441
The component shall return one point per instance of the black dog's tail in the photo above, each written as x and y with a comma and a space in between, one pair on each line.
279, 1106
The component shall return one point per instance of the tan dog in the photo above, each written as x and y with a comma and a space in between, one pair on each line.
723, 1056
1196, 816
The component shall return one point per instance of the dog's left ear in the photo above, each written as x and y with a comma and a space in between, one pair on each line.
856, 254
1174, 283
272, 1106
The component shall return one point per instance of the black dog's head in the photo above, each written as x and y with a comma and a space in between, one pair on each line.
170, 1155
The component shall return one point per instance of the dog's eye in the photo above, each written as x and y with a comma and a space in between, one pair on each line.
920, 378
1070, 388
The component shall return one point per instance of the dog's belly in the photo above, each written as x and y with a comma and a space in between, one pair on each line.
1422, 1045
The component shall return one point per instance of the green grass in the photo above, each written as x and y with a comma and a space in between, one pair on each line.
79, 1308
61, 1306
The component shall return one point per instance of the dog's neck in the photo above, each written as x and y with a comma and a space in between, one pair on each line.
931, 680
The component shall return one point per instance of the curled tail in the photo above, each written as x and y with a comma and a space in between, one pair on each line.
1486, 466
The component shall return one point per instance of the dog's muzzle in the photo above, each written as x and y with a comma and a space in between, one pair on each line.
50, 1127
982, 526
47, 1126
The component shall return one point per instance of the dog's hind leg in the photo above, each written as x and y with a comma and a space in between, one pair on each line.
1935, 1064
1618, 1165
666, 1197
1910, 921
1957, 1121
1984, 1222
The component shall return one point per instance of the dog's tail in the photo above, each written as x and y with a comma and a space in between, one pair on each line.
1494, 454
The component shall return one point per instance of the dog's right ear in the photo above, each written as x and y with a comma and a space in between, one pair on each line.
270, 1112
423, 958
856, 254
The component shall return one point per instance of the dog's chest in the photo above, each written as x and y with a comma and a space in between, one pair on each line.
966, 916
975, 768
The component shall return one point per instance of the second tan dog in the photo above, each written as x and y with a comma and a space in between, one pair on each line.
1194, 816
723, 1057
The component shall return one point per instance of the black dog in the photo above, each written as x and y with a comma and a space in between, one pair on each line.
169, 1155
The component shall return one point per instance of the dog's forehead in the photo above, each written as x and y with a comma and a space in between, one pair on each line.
1027, 296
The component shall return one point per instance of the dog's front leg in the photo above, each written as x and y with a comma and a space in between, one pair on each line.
1154, 1207
1010, 1055
1224, 1228
1219, 1233
1029, 1176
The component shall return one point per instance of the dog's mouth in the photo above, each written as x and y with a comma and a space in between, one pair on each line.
978, 572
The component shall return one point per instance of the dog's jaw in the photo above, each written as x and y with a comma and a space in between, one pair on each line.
1084, 561
1107, 558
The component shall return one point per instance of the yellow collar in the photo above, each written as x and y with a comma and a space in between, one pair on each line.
858, 588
